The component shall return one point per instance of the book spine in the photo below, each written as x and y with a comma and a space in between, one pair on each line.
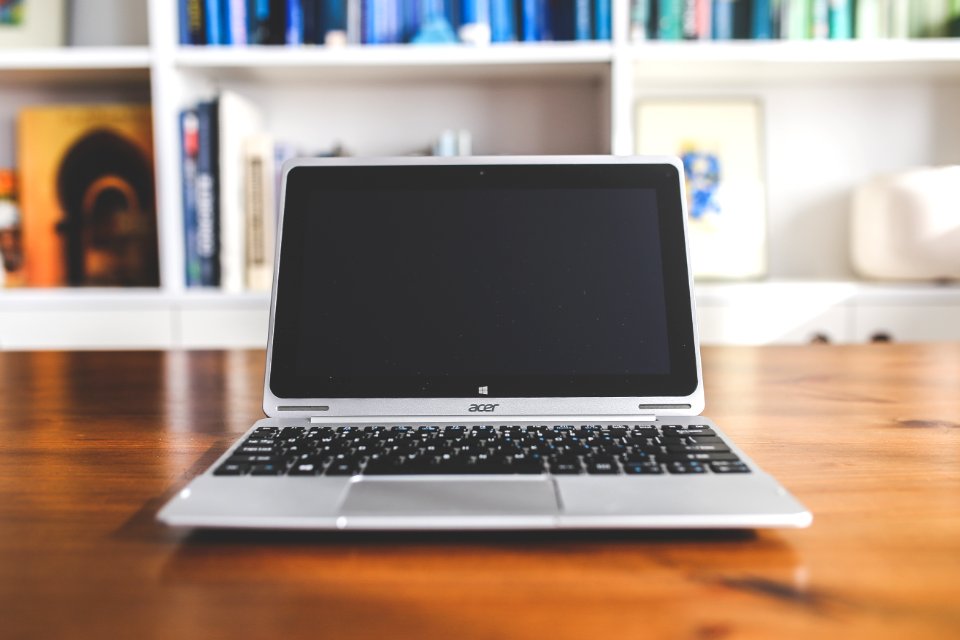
799, 14
503, 25
531, 21
238, 22
312, 27
190, 147
723, 20
411, 12
213, 20
671, 20
953, 19
762, 27
867, 20
703, 12
582, 20
742, 22
603, 18
226, 34
208, 210
294, 27
820, 19
183, 15
638, 20
841, 19
689, 19
259, 203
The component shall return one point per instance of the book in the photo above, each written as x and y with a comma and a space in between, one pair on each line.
704, 18
742, 19
820, 19
723, 19
690, 19
762, 20
266, 21
239, 118
189, 150
953, 19
603, 18
293, 34
313, 28
259, 199
334, 19
237, 21
214, 21
208, 197
868, 20
798, 19
503, 19
87, 195
193, 28
530, 12
670, 24
841, 19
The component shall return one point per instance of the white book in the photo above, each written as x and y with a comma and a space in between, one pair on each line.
261, 210
239, 119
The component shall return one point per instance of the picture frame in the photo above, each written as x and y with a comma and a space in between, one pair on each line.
31, 24
720, 142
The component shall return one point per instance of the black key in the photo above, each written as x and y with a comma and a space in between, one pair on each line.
685, 467
231, 469
607, 468
305, 469
566, 468
698, 448
702, 457
267, 469
646, 468
729, 467
348, 468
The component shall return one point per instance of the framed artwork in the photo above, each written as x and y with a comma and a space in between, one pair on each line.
720, 143
31, 23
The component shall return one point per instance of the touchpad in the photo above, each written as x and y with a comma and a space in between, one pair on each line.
451, 497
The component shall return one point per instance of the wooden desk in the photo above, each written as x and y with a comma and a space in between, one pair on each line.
93, 443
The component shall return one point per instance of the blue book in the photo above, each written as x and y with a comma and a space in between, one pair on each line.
582, 20
189, 148
368, 17
214, 23
531, 20
723, 19
604, 28
313, 28
225, 31
412, 18
183, 12
762, 27
334, 15
294, 30
503, 23
208, 201
670, 20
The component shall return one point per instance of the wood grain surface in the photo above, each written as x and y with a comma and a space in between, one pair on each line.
868, 437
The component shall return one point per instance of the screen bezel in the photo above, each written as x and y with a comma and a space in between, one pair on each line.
286, 391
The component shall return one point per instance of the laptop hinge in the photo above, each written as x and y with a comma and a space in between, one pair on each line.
327, 419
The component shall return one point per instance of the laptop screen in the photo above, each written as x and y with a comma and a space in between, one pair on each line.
498, 280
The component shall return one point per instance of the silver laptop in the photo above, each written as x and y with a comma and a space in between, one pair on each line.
483, 343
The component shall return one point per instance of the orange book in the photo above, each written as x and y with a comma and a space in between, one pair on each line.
87, 196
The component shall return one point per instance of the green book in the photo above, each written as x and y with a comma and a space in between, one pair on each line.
799, 19
953, 23
670, 22
868, 20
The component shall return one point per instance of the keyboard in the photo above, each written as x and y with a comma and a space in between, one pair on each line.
312, 450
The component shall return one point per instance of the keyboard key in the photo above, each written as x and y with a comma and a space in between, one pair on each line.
698, 448
305, 469
729, 467
267, 469
231, 469
566, 468
681, 467
702, 457
639, 468
603, 468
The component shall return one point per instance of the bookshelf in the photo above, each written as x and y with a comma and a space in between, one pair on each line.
835, 114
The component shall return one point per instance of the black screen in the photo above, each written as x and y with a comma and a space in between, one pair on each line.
405, 289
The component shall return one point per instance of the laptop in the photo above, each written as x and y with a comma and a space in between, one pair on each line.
483, 343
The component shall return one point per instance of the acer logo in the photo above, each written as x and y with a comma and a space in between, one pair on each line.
483, 407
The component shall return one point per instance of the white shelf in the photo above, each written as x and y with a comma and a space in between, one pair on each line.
792, 60
76, 64
277, 63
